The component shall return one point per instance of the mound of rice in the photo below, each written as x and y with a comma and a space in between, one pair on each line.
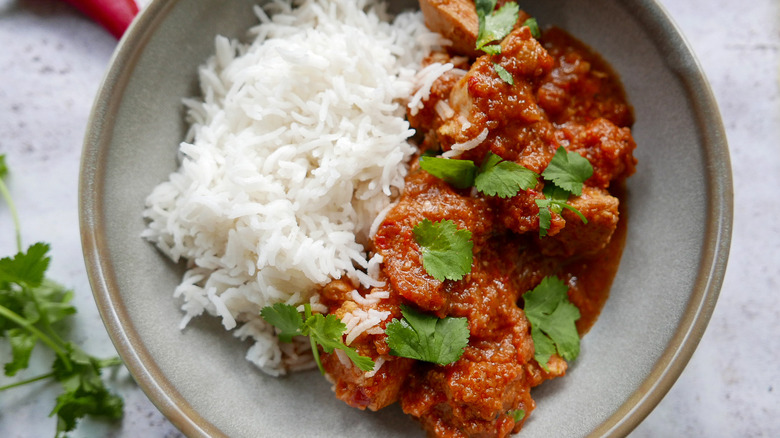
298, 143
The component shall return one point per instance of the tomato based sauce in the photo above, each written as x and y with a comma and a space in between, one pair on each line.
563, 95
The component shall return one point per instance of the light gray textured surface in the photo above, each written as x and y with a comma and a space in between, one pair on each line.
53, 59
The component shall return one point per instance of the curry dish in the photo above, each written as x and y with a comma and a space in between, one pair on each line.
563, 95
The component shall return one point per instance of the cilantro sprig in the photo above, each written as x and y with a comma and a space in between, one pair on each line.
502, 178
495, 177
31, 307
427, 337
552, 317
494, 24
565, 176
322, 330
446, 250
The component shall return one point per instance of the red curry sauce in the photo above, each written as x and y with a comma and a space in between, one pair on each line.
563, 95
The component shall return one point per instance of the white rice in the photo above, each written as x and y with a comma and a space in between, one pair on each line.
426, 77
458, 148
296, 145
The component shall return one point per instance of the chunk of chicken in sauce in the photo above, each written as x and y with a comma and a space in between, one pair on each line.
563, 95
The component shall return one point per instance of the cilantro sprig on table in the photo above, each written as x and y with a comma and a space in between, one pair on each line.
322, 330
552, 317
31, 306
427, 337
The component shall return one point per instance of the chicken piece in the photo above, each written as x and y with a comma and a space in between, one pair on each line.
435, 108
609, 148
504, 268
520, 213
357, 388
457, 21
475, 396
506, 115
579, 238
364, 390
582, 86
426, 197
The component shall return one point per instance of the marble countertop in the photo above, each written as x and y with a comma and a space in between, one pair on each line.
53, 59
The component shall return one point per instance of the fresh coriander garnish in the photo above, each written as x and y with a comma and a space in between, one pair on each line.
555, 200
533, 25
565, 175
568, 170
494, 25
495, 177
458, 173
427, 337
503, 74
323, 330
517, 414
31, 306
503, 178
446, 250
552, 317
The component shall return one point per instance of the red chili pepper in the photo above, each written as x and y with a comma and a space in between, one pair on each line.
114, 15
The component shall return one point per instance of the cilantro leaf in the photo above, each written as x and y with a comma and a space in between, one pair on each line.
494, 25
29, 303
568, 170
446, 250
459, 173
552, 317
545, 217
22, 344
84, 391
327, 331
554, 200
566, 175
533, 25
53, 303
503, 178
517, 414
503, 74
284, 317
26, 268
323, 330
427, 337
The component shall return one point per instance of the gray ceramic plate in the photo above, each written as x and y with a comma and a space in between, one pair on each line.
679, 205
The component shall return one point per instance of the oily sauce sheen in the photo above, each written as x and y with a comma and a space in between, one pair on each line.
563, 95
